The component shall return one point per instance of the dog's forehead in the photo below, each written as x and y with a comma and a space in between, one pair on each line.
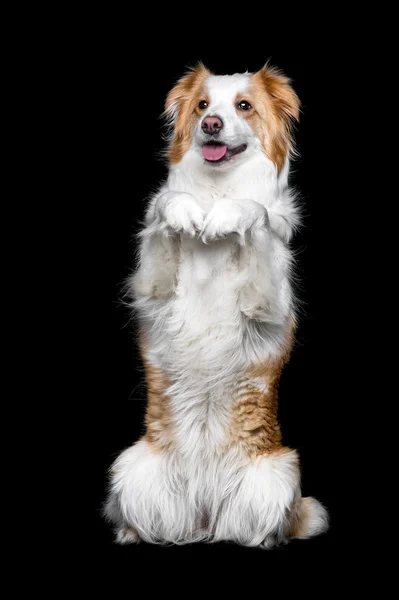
226, 87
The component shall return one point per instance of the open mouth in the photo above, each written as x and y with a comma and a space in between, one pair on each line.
218, 152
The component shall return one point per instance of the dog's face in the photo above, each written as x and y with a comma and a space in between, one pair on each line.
226, 119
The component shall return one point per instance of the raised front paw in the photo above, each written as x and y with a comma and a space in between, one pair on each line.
179, 213
233, 216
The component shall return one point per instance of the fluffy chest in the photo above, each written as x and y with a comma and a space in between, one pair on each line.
197, 337
208, 283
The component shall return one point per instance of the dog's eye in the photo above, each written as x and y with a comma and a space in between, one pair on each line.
244, 105
203, 105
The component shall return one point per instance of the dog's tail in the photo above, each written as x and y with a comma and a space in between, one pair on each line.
309, 518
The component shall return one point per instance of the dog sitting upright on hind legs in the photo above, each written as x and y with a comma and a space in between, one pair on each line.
216, 315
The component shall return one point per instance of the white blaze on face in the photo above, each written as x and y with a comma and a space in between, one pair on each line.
224, 89
224, 92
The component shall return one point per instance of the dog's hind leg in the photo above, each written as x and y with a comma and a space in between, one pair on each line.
262, 503
149, 500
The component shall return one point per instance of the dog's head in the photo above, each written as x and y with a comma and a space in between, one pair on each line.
226, 119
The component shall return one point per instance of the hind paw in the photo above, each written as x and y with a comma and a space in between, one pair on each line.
126, 535
272, 541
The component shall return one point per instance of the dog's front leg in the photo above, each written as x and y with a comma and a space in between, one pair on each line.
241, 217
265, 294
156, 272
264, 291
175, 213
169, 215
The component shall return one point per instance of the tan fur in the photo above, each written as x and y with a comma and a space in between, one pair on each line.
184, 98
255, 427
158, 420
275, 107
299, 517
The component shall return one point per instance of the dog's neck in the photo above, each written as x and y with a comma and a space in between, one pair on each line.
256, 174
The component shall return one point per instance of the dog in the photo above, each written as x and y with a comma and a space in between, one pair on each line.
217, 319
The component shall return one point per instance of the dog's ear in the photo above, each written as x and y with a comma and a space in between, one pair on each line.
278, 86
281, 106
184, 89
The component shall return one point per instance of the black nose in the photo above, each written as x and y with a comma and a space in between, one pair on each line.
211, 125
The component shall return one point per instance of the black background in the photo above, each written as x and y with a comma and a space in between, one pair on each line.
314, 397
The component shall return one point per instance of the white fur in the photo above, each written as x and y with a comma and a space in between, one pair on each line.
127, 535
167, 498
212, 293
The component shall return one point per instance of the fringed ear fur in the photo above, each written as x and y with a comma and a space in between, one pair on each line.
283, 108
184, 89
179, 110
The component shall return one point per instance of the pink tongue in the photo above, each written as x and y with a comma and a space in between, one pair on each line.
211, 152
